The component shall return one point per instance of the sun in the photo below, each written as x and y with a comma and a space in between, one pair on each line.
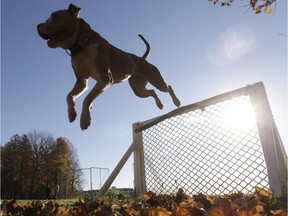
239, 115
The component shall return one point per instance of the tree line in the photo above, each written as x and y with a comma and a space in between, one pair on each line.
34, 163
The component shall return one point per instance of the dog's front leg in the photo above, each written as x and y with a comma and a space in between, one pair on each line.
87, 104
79, 87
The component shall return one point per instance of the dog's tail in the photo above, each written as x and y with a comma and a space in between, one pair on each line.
147, 46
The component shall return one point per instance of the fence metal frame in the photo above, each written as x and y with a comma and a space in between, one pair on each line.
273, 150
91, 174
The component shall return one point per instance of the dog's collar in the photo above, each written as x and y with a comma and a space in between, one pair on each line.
83, 39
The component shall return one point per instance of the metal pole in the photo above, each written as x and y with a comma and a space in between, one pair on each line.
139, 170
274, 152
116, 171
100, 178
91, 178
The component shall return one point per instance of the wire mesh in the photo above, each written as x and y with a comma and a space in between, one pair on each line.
214, 150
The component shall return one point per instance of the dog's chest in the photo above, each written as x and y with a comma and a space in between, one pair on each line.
85, 63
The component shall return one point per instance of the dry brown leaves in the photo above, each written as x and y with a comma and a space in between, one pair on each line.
260, 203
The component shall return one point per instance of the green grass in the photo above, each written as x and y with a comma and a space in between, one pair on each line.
59, 201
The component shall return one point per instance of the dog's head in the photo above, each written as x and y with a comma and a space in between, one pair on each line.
61, 29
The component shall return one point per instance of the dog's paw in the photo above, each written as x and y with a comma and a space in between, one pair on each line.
85, 120
177, 102
72, 113
159, 104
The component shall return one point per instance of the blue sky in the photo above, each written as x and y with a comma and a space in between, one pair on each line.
202, 50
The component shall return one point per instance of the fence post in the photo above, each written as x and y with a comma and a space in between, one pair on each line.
139, 170
274, 152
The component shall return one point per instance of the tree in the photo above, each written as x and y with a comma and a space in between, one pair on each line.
61, 161
30, 163
42, 144
257, 5
16, 166
76, 172
67, 173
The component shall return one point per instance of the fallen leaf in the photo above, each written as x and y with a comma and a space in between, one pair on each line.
264, 192
132, 211
221, 208
64, 211
158, 211
252, 207
279, 212
182, 209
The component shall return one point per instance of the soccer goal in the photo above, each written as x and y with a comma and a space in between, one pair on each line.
224, 144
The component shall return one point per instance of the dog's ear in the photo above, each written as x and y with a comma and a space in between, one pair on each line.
74, 10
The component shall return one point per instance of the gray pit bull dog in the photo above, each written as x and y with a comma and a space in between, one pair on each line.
93, 56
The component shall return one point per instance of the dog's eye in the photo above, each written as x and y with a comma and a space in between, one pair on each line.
52, 17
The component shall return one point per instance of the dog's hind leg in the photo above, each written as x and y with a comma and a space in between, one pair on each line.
138, 85
176, 101
153, 76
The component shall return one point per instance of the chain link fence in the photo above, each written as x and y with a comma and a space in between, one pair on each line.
202, 151
211, 147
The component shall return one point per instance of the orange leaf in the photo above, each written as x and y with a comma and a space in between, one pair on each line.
183, 209
264, 192
132, 211
268, 11
158, 211
221, 208
258, 10
278, 212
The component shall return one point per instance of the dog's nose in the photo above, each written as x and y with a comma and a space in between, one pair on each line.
39, 25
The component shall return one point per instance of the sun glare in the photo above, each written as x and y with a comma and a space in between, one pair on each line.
239, 115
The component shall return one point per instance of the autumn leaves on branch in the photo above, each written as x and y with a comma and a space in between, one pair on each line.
257, 5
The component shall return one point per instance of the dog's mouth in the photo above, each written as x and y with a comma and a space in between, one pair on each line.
53, 39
